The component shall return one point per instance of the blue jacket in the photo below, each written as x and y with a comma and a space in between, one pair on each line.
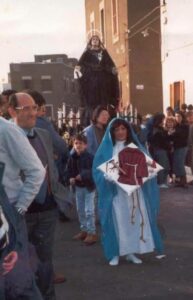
59, 144
81, 165
92, 144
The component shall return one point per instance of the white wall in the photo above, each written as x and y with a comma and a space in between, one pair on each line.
177, 47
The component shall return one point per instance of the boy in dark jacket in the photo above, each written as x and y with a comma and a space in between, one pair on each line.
80, 176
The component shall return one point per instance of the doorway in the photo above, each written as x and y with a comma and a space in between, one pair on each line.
177, 94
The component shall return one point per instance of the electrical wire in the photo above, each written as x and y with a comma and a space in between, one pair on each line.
146, 25
144, 17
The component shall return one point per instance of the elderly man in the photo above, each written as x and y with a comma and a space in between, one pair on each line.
41, 216
61, 152
21, 181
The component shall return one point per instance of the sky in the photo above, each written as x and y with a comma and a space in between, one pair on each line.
31, 27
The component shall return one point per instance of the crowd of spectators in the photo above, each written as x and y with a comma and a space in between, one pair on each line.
65, 157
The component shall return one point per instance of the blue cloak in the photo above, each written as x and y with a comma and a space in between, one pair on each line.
107, 190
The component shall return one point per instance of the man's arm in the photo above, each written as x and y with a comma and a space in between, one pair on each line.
24, 156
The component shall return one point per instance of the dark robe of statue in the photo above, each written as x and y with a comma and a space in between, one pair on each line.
99, 81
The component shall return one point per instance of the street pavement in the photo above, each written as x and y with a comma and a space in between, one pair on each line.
89, 277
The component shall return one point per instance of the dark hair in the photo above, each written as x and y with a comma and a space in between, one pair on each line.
189, 113
190, 107
157, 119
38, 98
80, 137
96, 113
183, 106
8, 92
182, 115
13, 101
117, 123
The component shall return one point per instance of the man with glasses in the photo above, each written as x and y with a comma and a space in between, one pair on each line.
61, 152
22, 179
42, 214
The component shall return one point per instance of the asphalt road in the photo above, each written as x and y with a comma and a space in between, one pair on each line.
89, 277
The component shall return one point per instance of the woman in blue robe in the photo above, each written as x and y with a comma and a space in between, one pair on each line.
107, 195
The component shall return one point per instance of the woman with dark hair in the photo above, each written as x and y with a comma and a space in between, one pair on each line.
128, 222
180, 144
170, 112
160, 145
96, 130
97, 77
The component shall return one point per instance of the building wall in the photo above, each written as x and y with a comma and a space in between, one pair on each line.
145, 55
58, 89
138, 59
177, 48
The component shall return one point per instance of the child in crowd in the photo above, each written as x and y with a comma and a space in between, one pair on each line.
80, 176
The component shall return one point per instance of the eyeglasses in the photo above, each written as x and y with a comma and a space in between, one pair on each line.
27, 108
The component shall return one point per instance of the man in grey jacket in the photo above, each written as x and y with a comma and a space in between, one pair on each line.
22, 179
41, 216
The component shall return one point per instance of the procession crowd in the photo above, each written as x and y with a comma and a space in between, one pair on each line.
41, 170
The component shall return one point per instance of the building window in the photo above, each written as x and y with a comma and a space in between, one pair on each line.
59, 59
92, 22
46, 84
102, 21
177, 94
114, 10
27, 82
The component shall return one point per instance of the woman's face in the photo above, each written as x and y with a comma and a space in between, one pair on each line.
103, 117
120, 133
169, 124
169, 113
178, 118
95, 41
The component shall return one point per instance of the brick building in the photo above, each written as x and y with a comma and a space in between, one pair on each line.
131, 34
51, 75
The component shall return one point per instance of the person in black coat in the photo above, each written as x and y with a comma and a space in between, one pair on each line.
180, 144
160, 144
